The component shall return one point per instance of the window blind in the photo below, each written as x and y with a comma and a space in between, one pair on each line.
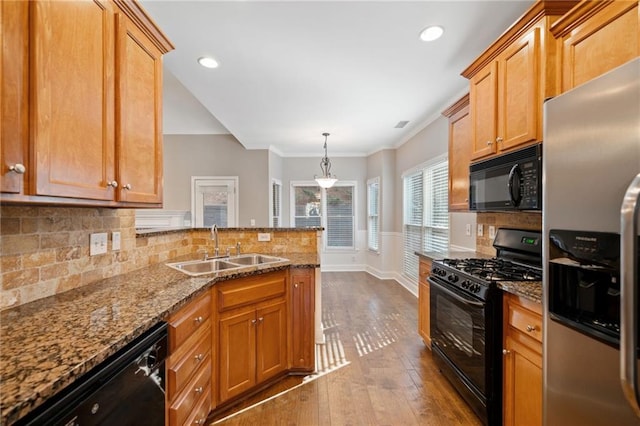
340, 216
426, 213
373, 216
276, 220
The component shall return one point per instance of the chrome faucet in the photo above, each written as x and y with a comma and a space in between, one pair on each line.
214, 237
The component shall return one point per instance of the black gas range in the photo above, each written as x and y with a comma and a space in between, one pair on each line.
466, 316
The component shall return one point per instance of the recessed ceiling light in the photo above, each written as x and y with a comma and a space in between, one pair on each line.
431, 33
208, 62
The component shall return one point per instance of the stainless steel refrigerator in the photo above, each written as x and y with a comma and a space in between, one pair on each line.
591, 165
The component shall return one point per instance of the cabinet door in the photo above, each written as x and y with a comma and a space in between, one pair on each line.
459, 159
518, 108
72, 98
138, 115
522, 385
237, 352
14, 72
424, 318
607, 39
302, 320
271, 340
482, 100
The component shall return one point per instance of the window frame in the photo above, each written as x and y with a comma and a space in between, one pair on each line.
272, 216
425, 227
373, 217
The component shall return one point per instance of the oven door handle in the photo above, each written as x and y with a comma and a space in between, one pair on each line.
455, 295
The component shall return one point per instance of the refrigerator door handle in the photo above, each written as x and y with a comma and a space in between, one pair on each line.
628, 306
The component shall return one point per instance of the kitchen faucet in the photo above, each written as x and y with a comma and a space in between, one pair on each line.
214, 237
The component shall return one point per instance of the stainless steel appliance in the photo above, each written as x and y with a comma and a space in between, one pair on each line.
466, 316
591, 167
510, 181
126, 389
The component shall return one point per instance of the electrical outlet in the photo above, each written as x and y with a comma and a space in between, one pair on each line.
492, 232
468, 230
264, 236
97, 243
115, 241
253, 222
480, 230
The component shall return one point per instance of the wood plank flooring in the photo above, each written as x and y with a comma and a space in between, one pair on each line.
383, 373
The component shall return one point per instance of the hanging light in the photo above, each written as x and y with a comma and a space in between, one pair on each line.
326, 180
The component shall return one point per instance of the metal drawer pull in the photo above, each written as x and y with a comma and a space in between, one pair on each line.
506, 352
531, 328
198, 389
127, 186
18, 168
199, 357
199, 422
198, 319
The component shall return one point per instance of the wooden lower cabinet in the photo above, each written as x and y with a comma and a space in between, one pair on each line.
424, 322
252, 332
302, 320
522, 393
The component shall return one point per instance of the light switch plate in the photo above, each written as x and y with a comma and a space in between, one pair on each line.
492, 232
480, 230
264, 236
468, 230
98, 243
115, 241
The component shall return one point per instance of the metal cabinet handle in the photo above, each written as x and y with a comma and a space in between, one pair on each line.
261, 319
127, 186
113, 184
489, 143
499, 139
198, 389
198, 320
531, 328
253, 321
199, 422
295, 285
18, 168
506, 352
199, 357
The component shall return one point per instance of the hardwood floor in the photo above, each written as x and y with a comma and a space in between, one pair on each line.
383, 374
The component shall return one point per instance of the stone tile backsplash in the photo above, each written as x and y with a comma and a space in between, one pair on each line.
518, 220
45, 250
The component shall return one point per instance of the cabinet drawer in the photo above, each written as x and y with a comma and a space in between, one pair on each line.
251, 290
183, 363
528, 321
185, 322
183, 405
201, 411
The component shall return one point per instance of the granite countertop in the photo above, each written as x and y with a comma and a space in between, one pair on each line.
149, 232
49, 343
531, 290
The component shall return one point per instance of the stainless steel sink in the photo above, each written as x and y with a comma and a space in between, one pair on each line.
254, 259
209, 266
201, 267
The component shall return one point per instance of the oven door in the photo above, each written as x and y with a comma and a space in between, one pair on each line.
458, 331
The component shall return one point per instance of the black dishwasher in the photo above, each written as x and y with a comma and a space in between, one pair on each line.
126, 389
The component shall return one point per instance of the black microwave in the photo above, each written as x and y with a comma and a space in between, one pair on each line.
512, 181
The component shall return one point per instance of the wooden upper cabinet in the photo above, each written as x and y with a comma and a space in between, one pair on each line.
81, 85
459, 153
139, 115
72, 98
14, 96
595, 37
509, 82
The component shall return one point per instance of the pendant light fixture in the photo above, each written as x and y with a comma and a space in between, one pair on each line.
327, 179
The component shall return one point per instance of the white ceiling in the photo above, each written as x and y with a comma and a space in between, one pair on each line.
291, 70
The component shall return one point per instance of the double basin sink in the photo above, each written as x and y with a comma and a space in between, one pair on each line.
209, 266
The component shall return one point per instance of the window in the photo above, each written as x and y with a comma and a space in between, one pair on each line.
373, 215
426, 214
332, 209
276, 203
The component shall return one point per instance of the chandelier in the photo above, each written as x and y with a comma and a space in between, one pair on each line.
327, 179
